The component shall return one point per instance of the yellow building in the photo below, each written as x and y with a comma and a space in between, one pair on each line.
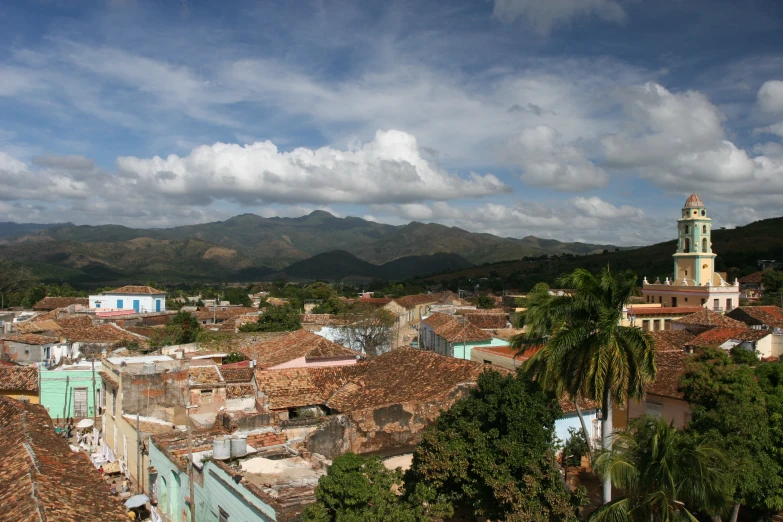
20, 383
694, 282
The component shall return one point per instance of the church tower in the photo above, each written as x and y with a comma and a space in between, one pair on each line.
694, 262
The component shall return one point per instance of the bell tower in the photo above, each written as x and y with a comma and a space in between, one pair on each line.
694, 262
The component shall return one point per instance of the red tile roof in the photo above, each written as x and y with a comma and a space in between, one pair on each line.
717, 336
41, 478
753, 279
289, 388
508, 352
412, 301
488, 321
294, 345
771, 316
671, 367
663, 310
236, 374
461, 331
706, 317
380, 301
18, 378
437, 319
135, 290
671, 340
32, 339
53, 303
694, 201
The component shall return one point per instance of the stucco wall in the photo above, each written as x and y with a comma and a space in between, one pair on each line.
57, 391
147, 303
673, 410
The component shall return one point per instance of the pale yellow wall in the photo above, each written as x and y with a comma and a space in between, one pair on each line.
685, 269
674, 410
30, 396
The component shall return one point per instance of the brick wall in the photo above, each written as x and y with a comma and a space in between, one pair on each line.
262, 440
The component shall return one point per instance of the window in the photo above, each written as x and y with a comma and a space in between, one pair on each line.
687, 229
487, 362
703, 301
667, 324
674, 302
646, 324
686, 299
660, 299
657, 325
716, 304
704, 229
703, 212
704, 244
222, 515
651, 408
687, 247
728, 304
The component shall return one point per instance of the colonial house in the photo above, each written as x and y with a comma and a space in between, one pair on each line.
71, 391
454, 336
694, 281
411, 308
42, 478
705, 319
752, 285
34, 348
763, 342
654, 317
19, 382
298, 349
141, 299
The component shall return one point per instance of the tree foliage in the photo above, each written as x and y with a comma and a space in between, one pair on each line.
575, 447
368, 330
275, 319
237, 296
361, 489
731, 409
665, 473
485, 302
493, 452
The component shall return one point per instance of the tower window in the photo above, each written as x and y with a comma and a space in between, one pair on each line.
704, 229
703, 212
704, 245
687, 229
687, 247
695, 212
704, 267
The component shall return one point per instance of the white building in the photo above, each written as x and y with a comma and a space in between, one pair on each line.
141, 299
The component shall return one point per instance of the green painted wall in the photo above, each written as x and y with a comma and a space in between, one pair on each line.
57, 393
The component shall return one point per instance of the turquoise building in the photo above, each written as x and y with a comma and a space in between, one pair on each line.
70, 391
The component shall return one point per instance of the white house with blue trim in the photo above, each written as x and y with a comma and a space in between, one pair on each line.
141, 299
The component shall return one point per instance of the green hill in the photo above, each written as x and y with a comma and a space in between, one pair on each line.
738, 251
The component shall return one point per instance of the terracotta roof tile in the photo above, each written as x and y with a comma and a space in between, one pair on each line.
205, 376
132, 290
706, 317
379, 301
106, 376
508, 352
771, 316
19, 378
457, 330
717, 336
488, 321
237, 391
412, 301
289, 388
754, 278
32, 339
671, 367
294, 345
53, 303
437, 319
41, 478
671, 340
236, 374
151, 427
47, 325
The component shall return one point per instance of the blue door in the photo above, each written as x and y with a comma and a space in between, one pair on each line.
119, 304
136, 305
157, 305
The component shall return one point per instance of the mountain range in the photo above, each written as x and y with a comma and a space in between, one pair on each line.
249, 247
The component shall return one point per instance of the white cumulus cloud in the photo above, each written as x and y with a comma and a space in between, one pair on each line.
547, 161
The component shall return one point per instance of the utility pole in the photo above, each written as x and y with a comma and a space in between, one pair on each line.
94, 395
139, 480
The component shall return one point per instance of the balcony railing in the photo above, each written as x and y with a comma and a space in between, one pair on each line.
717, 308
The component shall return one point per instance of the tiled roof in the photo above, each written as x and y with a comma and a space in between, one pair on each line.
378, 301
322, 319
100, 333
753, 279
289, 388
294, 345
402, 375
135, 290
236, 374
706, 317
19, 378
771, 316
671, 340
32, 339
47, 325
52, 303
204, 375
106, 376
41, 478
488, 321
412, 301
717, 336
457, 330
237, 391
437, 319
670, 369
508, 352
663, 310
693, 201
507, 333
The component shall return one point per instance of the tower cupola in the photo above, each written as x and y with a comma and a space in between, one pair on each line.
694, 260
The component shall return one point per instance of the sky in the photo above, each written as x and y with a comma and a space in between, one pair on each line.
578, 120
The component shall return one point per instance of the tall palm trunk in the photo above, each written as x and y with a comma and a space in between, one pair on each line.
588, 439
606, 439
734, 513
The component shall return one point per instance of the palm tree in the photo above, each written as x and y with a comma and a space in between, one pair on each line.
665, 473
586, 353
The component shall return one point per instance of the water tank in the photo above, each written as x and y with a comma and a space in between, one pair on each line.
148, 368
221, 448
238, 446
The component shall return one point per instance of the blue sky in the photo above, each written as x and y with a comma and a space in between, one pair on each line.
586, 120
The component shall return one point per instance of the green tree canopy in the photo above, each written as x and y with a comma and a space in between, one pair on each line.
237, 296
485, 302
361, 489
730, 408
493, 452
665, 473
188, 327
275, 319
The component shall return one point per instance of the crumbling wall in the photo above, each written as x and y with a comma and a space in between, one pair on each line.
332, 437
154, 394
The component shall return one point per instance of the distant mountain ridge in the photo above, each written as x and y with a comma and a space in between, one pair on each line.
251, 247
